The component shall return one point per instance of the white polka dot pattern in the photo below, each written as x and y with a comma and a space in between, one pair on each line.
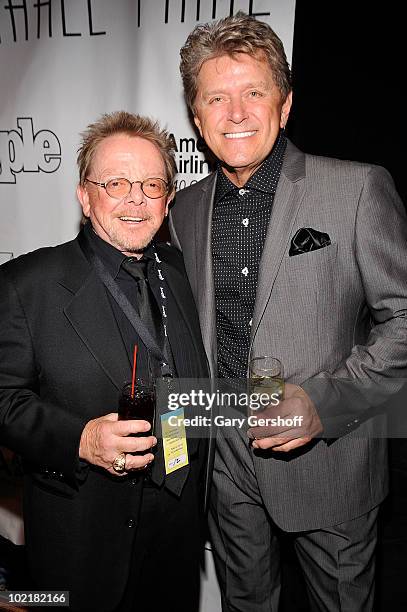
239, 227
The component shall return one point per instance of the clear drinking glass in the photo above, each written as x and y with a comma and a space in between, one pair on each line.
266, 377
138, 405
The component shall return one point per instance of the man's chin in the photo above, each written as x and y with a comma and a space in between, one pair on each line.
135, 249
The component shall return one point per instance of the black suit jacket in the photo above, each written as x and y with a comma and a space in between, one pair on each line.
62, 363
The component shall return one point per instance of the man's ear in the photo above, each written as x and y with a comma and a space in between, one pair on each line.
83, 197
170, 198
198, 124
285, 109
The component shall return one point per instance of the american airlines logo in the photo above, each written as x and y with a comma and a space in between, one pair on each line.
24, 150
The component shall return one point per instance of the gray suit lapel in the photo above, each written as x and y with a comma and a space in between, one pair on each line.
289, 195
204, 270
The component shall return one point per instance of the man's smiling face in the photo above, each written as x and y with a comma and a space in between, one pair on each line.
129, 223
239, 111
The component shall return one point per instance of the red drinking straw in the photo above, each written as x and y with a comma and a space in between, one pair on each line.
133, 379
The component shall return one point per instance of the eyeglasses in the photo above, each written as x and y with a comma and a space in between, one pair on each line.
121, 187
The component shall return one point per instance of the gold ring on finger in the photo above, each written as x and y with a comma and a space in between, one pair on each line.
119, 463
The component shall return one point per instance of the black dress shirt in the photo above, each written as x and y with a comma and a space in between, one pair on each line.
239, 226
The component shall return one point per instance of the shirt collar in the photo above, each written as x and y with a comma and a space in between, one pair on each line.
111, 257
261, 179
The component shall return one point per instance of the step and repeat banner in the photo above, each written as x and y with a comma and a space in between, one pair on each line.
65, 62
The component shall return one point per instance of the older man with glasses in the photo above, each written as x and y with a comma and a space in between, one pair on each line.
105, 517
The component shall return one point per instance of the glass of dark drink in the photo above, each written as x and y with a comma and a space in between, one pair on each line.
139, 405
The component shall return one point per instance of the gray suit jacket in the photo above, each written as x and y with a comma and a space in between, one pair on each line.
337, 312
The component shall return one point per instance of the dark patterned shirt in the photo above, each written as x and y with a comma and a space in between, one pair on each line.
239, 226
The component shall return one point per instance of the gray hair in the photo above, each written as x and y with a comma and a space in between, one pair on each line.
238, 34
121, 122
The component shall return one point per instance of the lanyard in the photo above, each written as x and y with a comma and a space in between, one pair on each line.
130, 312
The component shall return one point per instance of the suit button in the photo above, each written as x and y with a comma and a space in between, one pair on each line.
130, 522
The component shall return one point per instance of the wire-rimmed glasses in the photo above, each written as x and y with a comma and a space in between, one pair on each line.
121, 187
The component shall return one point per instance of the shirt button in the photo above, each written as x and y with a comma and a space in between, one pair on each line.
245, 222
245, 271
242, 192
130, 522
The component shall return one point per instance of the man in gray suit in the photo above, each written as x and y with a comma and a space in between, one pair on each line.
303, 258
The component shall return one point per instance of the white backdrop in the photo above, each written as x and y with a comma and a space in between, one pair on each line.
64, 63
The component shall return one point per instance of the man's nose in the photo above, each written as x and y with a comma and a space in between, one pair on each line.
136, 194
237, 110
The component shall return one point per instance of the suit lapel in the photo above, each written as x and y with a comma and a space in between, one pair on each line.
92, 318
289, 195
204, 270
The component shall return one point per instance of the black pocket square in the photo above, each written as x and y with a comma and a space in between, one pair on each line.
307, 239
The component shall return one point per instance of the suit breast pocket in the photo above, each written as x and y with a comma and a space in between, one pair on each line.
306, 276
318, 259
309, 276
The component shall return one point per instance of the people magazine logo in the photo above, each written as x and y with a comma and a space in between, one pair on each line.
23, 149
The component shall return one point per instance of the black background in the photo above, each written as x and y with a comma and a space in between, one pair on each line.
348, 72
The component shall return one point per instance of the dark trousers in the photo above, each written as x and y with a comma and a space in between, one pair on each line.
164, 573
